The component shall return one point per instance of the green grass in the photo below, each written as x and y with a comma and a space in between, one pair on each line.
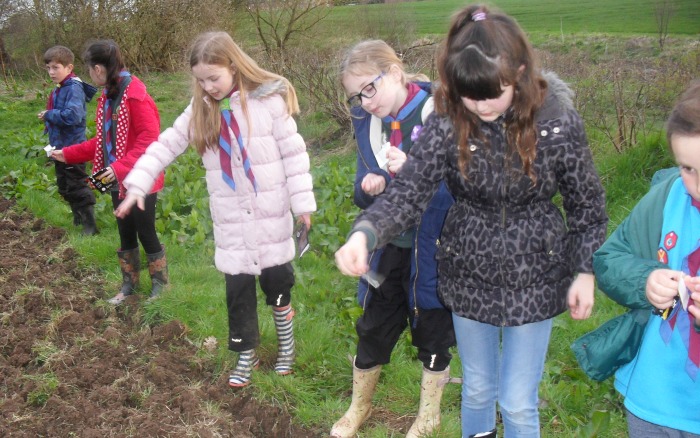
547, 16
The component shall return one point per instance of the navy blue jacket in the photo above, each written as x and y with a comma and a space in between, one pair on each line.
66, 122
424, 278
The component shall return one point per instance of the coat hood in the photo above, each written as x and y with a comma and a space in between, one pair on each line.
88, 89
268, 89
559, 97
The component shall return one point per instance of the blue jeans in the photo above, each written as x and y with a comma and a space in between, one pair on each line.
639, 428
504, 365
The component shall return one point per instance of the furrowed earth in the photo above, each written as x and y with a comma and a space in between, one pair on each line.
71, 365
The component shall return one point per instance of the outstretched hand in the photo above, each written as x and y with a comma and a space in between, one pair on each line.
351, 258
58, 155
125, 206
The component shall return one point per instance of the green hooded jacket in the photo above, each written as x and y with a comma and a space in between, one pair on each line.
621, 267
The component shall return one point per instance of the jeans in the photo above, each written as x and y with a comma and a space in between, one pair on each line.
501, 365
639, 428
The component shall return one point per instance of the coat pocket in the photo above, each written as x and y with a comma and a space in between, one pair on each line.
601, 352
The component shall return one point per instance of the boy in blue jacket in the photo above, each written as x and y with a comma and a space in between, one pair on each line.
65, 121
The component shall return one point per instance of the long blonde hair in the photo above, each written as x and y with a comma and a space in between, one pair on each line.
218, 48
373, 57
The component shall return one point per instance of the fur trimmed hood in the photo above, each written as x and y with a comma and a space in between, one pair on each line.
559, 97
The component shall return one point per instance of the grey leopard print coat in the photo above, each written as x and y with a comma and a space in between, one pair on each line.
507, 256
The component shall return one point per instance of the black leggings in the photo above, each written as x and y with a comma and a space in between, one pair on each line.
241, 300
387, 314
139, 224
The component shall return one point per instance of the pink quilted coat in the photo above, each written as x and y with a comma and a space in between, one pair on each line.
251, 231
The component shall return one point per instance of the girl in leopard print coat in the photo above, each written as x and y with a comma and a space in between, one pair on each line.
505, 138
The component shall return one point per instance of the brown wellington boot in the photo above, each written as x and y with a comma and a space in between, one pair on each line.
158, 270
431, 387
364, 383
130, 265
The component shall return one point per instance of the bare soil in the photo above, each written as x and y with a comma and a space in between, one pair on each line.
70, 365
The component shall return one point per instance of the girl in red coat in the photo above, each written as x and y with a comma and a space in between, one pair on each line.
127, 122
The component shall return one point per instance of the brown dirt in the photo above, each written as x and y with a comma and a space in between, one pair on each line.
70, 365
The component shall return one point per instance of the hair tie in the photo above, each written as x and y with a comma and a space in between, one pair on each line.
478, 16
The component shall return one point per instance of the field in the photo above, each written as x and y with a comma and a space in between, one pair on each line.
72, 366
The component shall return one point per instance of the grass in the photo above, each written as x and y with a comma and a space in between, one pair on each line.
546, 16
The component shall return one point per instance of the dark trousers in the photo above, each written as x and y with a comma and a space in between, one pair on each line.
71, 180
241, 300
387, 314
139, 225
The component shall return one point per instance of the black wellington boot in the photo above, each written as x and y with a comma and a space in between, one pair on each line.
87, 218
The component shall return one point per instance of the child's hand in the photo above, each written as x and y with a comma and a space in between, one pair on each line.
41, 115
694, 307
351, 258
108, 175
662, 287
693, 285
58, 156
125, 206
306, 219
581, 296
373, 184
396, 159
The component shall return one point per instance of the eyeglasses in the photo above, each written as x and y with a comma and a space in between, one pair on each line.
368, 91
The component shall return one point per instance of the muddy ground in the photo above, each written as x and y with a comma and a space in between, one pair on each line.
72, 366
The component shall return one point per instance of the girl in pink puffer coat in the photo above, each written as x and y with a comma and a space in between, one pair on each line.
257, 172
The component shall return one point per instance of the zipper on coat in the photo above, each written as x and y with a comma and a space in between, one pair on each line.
504, 191
415, 280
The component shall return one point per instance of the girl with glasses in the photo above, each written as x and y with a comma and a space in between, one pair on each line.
505, 138
389, 108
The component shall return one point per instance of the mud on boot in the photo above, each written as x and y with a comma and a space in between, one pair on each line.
364, 383
431, 388
158, 270
130, 265
87, 219
247, 362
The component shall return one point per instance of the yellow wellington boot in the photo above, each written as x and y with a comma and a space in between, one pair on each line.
364, 383
431, 387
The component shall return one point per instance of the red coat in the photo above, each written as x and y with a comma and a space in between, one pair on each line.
137, 128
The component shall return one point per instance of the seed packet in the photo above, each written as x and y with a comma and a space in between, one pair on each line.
100, 182
302, 237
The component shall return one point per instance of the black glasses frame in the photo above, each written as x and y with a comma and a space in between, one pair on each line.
368, 92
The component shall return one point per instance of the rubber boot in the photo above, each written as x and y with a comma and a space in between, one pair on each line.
431, 388
247, 362
87, 218
77, 220
490, 434
158, 270
130, 265
364, 383
285, 339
